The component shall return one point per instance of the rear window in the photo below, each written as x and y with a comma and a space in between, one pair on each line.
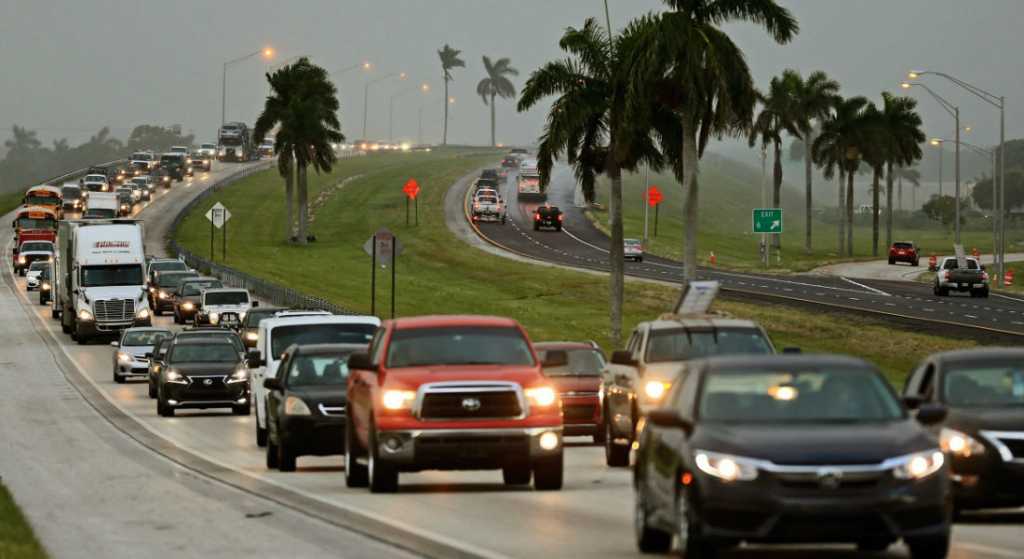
226, 298
952, 265
903, 245
307, 334
318, 370
682, 344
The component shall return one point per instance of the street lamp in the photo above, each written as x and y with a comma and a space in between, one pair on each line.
998, 102
366, 94
266, 52
954, 111
425, 88
938, 143
991, 153
365, 66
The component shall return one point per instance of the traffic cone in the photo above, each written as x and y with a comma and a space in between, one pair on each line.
1008, 277
713, 259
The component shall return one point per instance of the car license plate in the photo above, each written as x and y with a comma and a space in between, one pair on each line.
229, 319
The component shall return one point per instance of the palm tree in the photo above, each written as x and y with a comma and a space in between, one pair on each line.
449, 60
496, 84
900, 138
304, 103
874, 155
776, 117
812, 100
693, 68
586, 122
839, 145
913, 176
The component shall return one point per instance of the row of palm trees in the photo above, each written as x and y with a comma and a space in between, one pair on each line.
496, 83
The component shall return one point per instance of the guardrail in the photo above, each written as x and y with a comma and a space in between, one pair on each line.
266, 291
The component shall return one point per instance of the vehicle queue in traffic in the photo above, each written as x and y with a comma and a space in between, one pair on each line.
729, 440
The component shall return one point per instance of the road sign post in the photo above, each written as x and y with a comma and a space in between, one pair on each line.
219, 216
767, 221
384, 248
654, 198
412, 191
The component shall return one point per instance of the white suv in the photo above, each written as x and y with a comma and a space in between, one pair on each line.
224, 306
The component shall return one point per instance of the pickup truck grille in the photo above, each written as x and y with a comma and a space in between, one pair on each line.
470, 401
115, 310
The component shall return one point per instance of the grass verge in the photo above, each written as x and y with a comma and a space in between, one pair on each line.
10, 201
17, 541
437, 273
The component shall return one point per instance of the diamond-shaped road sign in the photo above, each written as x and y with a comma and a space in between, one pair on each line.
768, 220
218, 215
388, 246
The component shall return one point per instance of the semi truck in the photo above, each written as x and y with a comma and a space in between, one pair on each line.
101, 278
234, 142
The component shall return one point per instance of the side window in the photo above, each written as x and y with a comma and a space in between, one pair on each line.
634, 343
377, 347
913, 383
687, 393
286, 363
927, 388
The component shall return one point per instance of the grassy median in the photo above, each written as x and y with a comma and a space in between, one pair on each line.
17, 541
9, 201
437, 273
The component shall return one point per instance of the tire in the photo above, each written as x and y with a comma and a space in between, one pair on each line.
558, 228
54, 313
77, 336
648, 539
983, 294
285, 458
549, 472
272, 456
64, 327
536, 227
152, 391
162, 409
640, 259
892, 261
355, 473
933, 547
178, 319
615, 455
261, 435
243, 409
516, 474
914, 263
382, 477
118, 378
600, 436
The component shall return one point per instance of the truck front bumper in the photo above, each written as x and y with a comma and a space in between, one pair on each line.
466, 449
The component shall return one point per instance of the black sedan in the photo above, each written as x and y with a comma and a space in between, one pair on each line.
547, 216
202, 373
787, 449
306, 403
983, 435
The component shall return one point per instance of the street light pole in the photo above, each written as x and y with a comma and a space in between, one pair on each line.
991, 154
366, 95
266, 52
954, 111
391, 107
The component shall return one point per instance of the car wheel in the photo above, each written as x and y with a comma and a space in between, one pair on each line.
54, 313
640, 259
615, 455
648, 539
242, 409
933, 547
162, 409
118, 378
892, 261
272, 456
984, 293
177, 318
152, 390
516, 474
600, 436
548, 472
261, 433
77, 336
914, 263
285, 458
355, 473
382, 477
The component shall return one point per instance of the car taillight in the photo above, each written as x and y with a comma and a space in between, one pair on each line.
946, 275
536, 217
984, 276
560, 216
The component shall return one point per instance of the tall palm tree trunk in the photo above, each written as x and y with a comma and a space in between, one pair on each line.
901, 192
841, 207
303, 204
777, 190
849, 213
616, 260
444, 135
494, 142
876, 186
808, 168
689, 201
888, 204
289, 198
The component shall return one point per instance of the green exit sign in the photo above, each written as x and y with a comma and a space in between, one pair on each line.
768, 220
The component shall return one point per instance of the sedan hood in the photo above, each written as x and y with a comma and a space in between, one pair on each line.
213, 368
328, 395
973, 420
411, 377
816, 444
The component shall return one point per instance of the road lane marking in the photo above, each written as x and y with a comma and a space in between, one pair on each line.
872, 289
987, 549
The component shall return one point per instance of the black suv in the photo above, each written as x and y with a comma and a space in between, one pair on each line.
306, 403
780, 449
202, 373
547, 216
188, 295
174, 165
164, 288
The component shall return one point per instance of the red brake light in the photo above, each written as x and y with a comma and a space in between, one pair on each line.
536, 216
560, 216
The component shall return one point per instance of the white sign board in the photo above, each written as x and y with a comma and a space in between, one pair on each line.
387, 246
218, 215
698, 297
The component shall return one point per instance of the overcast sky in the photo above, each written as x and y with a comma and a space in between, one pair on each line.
72, 66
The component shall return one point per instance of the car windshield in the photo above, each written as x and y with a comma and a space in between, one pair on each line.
36, 247
986, 384
71, 192
318, 370
208, 146
254, 316
191, 288
37, 266
144, 337
834, 394
172, 279
142, 157
100, 213
307, 334
680, 344
36, 223
171, 159
141, 183
111, 275
581, 362
36, 200
203, 353
226, 298
225, 335
458, 345
167, 265
903, 245
96, 178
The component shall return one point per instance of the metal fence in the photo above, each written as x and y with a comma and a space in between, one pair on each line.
266, 291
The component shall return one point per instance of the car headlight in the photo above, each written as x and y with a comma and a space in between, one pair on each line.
21, 260
542, 396
162, 294
241, 316
84, 315
45, 286
214, 318
142, 314
726, 467
175, 377
398, 399
959, 444
241, 374
188, 306
656, 389
124, 357
918, 465
252, 336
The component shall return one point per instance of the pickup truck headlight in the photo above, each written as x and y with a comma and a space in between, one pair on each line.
188, 306
175, 377
241, 316
919, 465
252, 336
142, 314
45, 286
398, 399
214, 318
725, 467
295, 406
84, 315
656, 389
959, 444
241, 374
22, 260
542, 396
162, 294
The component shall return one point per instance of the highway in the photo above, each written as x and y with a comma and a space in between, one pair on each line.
582, 245
139, 481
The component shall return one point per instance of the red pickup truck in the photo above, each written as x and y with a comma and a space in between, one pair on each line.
451, 393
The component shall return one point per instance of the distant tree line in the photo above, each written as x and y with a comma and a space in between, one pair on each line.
28, 161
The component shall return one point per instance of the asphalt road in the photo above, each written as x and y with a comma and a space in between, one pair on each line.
472, 513
582, 245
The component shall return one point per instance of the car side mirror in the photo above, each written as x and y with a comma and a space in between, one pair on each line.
912, 402
149, 356
670, 418
623, 357
792, 350
115, 344
361, 360
272, 384
931, 414
253, 359
255, 304
15, 224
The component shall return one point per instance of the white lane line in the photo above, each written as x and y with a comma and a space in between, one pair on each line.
987, 549
970, 316
861, 285
1007, 297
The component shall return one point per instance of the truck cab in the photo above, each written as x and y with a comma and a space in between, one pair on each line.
971, 278
95, 183
32, 250
451, 393
102, 205
174, 166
